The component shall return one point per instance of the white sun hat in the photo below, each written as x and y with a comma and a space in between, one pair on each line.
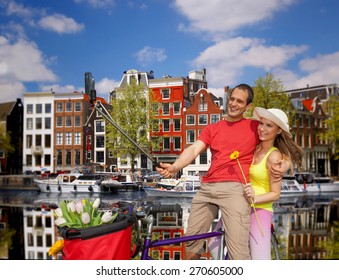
275, 115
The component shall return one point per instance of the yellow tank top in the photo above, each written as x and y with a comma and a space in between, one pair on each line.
259, 180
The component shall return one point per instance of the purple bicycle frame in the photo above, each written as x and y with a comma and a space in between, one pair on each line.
158, 243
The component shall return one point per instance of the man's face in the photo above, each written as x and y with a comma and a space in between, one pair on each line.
236, 105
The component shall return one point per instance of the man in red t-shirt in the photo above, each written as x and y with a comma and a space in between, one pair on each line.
222, 186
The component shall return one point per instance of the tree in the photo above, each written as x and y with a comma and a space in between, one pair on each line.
332, 133
269, 93
331, 244
131, 109
5, 141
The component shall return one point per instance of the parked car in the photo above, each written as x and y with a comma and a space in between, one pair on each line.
152, 176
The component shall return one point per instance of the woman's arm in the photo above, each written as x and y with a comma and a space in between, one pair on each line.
275, 186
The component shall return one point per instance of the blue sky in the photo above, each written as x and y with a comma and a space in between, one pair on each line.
50, 44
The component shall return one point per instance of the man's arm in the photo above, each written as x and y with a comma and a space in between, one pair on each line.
280, 167
186, 157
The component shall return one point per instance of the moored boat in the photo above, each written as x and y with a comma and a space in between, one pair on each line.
71, 183
186, 186
308, 183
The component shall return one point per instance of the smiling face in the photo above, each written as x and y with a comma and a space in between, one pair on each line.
268, 130
236, 105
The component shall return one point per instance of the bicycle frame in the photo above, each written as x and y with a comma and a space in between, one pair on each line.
149, 243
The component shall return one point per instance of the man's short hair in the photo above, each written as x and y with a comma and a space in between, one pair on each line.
248, 89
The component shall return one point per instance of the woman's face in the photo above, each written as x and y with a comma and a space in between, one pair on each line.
268, 130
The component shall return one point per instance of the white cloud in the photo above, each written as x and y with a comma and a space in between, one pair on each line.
60, 24
105, 85
216, 16
97, 3
21, 61
226, 60
148, 55
60, 89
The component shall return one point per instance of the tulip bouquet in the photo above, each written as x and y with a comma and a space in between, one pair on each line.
82, 213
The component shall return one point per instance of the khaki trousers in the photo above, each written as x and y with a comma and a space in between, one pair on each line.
235, 211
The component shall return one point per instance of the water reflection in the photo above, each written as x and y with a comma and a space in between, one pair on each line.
300, 221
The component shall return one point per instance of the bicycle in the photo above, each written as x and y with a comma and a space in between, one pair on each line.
145, 218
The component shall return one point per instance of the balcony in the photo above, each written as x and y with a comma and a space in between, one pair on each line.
37, 150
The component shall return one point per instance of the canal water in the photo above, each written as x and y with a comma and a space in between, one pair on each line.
299, 220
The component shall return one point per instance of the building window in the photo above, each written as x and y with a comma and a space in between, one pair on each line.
166, 255
77, 107
59, 107
38, 123
177, 143
155, 109
38, 160
77, 138
68, 139
155, 125
165, 109
202, 119
177, 256
176, 108
203, 107
59, 121
100, 126
100, 156
48, 108
190, 119
100, 141
30, 239
29, 108
38, 108
77, 155
49, 242
77, 121
38, 140
28, 160
165, 125
203, 157
68, 107
47, 140
29, 141
190, 136
29, 124
47, 160
59, 138
166, 143
68, 121
68, 157
47, 123
59, 157
215, 118
177, 124
165, 93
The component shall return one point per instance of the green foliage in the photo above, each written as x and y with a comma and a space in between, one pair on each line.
131, 112
6, 238
332, 133
331, 244
5, 140
269, 93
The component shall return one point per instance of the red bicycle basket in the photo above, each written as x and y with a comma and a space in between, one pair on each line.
106, 242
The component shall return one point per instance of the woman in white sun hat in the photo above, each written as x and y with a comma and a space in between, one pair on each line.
276, 140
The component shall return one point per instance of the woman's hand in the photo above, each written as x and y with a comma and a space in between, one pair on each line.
249, 192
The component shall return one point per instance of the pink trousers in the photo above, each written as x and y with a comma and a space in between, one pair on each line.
260, 245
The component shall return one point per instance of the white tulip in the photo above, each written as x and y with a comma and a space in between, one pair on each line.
71, 206
79, 207
107, 217
85, 218
60, 220
58, 212
96, 203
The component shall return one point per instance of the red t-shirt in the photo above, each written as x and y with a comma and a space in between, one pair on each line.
224, 138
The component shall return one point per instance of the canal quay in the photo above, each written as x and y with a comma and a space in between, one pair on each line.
300, 221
